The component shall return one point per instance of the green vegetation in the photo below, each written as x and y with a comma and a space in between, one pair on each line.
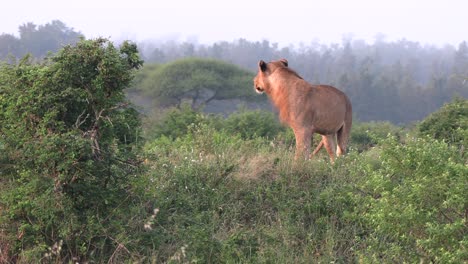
449, 123
70, 151
414, 203
194, 79
37, 40
78, 183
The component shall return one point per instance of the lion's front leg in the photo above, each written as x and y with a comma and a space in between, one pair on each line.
303, 142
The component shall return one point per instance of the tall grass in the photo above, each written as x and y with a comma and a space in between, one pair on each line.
225, 199
222, 197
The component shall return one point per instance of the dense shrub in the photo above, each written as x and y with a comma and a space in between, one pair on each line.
174, 122
414, 204
365, 135
71, 144
449, 123
250, 124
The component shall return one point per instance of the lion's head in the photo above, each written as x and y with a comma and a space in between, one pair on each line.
261, 83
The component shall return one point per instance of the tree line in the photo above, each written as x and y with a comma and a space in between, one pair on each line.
400, 81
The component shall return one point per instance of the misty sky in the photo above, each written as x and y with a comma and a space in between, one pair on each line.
285, 22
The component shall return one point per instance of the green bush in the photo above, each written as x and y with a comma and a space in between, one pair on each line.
414, 204
449, 123
366, 135
250, 124
72, 145
174, 122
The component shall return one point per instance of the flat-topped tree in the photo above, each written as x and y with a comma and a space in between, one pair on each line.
197, 80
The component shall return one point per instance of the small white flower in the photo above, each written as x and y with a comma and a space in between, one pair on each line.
148, 226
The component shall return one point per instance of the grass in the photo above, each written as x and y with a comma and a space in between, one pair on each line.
212, 197
247, 201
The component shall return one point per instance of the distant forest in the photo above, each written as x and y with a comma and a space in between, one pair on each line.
401, 81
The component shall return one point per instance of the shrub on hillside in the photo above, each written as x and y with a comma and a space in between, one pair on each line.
449, 123
365, 135
414, 204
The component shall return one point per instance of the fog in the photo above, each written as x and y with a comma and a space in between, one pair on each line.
284, 22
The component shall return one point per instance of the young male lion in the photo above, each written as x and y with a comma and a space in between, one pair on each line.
306, 108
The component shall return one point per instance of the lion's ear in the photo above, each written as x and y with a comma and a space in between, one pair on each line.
285, 62
262, 65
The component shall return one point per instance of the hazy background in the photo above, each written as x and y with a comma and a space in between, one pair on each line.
284, 22
398, 61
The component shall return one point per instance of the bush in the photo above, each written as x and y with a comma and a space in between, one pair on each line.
449, 123
250, 124
174, 122
414, 204
72, 146
367, 135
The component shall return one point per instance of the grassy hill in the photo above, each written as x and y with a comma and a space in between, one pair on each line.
223, 197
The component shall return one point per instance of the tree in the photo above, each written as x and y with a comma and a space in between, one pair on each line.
38, 40
71, 142
9, 45
199, 80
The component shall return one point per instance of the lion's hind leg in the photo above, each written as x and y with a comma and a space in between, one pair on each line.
319, 146
330, 145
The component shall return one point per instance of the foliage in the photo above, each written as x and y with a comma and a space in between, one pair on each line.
249, 124
449, 123
71, 144
37, 40
365, 135
252, 124
414, 204
176, 122
201, 80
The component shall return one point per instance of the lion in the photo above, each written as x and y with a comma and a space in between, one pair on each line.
307, 108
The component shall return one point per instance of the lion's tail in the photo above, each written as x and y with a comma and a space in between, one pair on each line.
345, 131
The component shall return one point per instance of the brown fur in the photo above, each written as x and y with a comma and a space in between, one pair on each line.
307, 108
